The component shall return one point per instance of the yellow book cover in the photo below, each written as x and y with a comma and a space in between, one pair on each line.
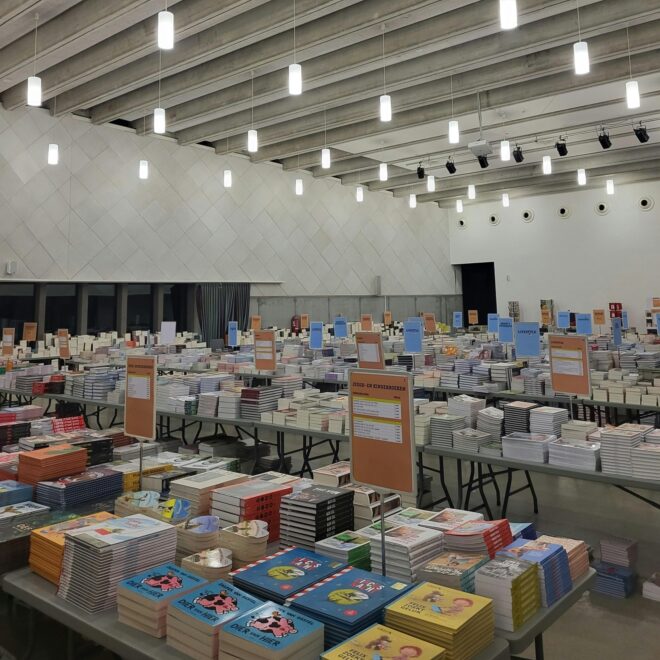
55, 533
386, 644
439, 605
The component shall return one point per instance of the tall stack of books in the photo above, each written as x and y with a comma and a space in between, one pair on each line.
247, 541
197, 534
250, 500
470, 440
484, 536
490, 420
466, 406
257, 400
613, 580
651, 587
367, 644
347, 547
461, 623
547, 419
229, 404
575, 454
578, 429
194, 620
20, 512
367, 504
50, 463
47, 544
453, 569
272, 633
95, 484
616, 447
577, 551
197, 488
554, 574
106, 553
142, 599
516, 416
513, 586
347, 602
619, 551
646, 461
443, 427
315, 513
333, 475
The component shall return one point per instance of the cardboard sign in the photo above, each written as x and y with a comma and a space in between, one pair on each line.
655, 302
255, 322
304, 321
370, 350
387, 317
457, 320
381, 431
429, 323
29, 332
340, 327
505, 329
168, 332
316, 336
140, 399
583, 324
617, 338
473, 316
527, 339
265, 357
546, 317
232, 334
599, 316
569, 364
366, 322
63, 343
413, 334
8, 337
492, 322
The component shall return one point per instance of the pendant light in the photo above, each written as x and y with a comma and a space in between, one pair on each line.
412, 201
508, 14
430, 183
325, 152
295, 70
582, 177
505, 150
609, 186
143, 169
632, 86
505, 200
382, 172
471, 192
547, 165
359, 194
227, 179
34, 81
453, 131
165, 29
253, 139
159, 113
385, 99
459, 206
299, 187
580, 50
53, 154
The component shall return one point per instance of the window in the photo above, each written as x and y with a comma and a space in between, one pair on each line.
61, 307
175, 299
101, 308
16, 306
140, 307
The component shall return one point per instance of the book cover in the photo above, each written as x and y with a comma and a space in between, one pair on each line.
55, 533
119, 530
534, 551
455, 563
315, 495
162, 582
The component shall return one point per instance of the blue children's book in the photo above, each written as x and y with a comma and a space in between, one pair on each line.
13, 492
160, 583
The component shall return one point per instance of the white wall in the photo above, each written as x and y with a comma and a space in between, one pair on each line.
582, 262
91, 219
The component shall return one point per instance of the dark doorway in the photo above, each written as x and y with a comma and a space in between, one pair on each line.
479, 290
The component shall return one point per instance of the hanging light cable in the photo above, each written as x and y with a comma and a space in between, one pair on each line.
165, 29
34, 81
253, 139
580, 49
632, 86
453, 131
325, 152
159, 112
295, 70
385, 100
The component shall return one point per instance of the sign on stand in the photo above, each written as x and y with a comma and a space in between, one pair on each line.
569, 365
265, 358
8, 336
370, 350
63, 343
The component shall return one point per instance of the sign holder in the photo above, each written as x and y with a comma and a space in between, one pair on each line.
569, 366
265, 357
370, 350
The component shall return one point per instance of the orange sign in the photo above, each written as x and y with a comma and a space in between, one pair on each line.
366, 322
264, 350
255, 322
655, 302
381, 431
8, 337
387, 317
599, 316
304, 321
473, 316
29, 332
546, 317
429, 323
370, 350
140, 399
63, 343
569, 364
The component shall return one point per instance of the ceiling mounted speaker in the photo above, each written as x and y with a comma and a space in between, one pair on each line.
602, 209
493, 220
563, 212
527, 215
646, 203
461, 224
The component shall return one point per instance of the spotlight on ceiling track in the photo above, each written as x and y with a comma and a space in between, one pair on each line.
518, 154
561, 147
483, 162
451, 166
604, 139
420, 171
641, 134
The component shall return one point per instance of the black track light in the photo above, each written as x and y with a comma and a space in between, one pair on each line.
604, 139
518, 154
450, 165
483, 162
561, 147
641, 134
420, 171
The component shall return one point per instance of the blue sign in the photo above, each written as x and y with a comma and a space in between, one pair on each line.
341, 327
624, 320
458, 320
492, 322
316, 335
583, 324
505, 329
232, 331
527, 339
563, 320
657, 321
413, 333
616, 331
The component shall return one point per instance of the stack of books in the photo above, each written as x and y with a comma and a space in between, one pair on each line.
616, 445
459, 622
194, 620
347, 602
490, 420
95, 484
257, 400
443, 427
47, 544
161, 482
106, 553
554, 574
50, 463
529, 447
513, 586
9, 465
12, 492
483, 536
577, 551
407, 550
197, 488
333, 475
466, 406
523, 530
315, 513
367, 644
613, 580
453, 569
195, 535
142, 599
574, 454
272, 633
651, 588
547, 419
516, 416
492, 448
646, 461
208, 404
285, 573
470, 440
229, 404
578, 429
619, 551
366, 504
212, 564
216, 463
347, 547
13, 514
247, 541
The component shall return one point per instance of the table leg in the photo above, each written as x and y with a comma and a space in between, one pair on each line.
70, 644
531, 488
469, 486
507, 491
443, 483
538, 647
420, 478
459, 476
480, 482
497, 488
31, 633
